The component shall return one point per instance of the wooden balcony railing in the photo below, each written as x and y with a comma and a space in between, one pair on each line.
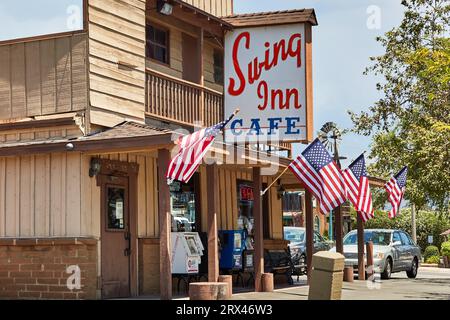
184, 102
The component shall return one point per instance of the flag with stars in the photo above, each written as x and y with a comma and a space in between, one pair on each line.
320, 175
396, 188
358, 189
193, 148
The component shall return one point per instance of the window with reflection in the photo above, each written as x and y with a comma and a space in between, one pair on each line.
158, 44
183, 205
115, 205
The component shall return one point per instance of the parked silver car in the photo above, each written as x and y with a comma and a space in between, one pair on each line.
393, 251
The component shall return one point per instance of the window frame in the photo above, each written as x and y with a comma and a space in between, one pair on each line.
148, 43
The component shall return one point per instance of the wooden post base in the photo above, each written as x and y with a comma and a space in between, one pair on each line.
228, 280
267, 282
208, 291
348, 274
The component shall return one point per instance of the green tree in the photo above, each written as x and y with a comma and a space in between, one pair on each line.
410, 125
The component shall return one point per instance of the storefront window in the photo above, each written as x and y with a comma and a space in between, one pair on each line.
317, 224
245, 211
183, 206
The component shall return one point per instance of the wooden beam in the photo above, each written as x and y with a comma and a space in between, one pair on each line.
258, 228
91, 146
165, 267
361, 263
309, 225
339, 223
201, 70
212, 178
309, 83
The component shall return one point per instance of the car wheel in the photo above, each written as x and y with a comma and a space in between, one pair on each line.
412, 273
387, 272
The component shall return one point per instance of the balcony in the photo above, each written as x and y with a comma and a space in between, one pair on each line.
187, 103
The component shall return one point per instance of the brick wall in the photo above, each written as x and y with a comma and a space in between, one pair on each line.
36, 268
148, 266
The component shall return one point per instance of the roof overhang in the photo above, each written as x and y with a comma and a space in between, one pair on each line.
262, 19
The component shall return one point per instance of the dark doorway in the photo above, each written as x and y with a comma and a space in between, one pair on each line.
190, 48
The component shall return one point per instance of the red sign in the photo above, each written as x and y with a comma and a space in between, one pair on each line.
246, 193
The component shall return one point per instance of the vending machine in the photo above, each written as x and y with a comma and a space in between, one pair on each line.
232, 246
187, 250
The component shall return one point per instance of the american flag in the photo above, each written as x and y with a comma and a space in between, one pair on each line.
320, 174
193, 148
396, 189
358, 189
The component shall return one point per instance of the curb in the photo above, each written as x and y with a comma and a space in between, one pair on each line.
429, 265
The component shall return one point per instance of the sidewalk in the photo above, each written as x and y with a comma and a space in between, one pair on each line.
431, 283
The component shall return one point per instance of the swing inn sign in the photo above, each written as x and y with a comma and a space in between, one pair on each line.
87, 126
268, 75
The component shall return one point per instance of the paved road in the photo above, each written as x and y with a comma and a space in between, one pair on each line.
431, 283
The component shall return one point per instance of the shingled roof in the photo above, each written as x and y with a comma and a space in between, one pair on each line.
273, 18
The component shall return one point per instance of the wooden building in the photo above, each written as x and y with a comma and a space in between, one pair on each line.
88, 118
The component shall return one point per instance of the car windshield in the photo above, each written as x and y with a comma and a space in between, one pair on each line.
294, 235
377, 237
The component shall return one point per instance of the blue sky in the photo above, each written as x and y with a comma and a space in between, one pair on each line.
342, 46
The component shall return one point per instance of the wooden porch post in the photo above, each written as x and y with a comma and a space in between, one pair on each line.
201, 79
258, 228
212, 178
361, 264
165, 267
309, 225
339, 224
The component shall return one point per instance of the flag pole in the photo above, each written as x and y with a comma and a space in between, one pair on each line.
273, 182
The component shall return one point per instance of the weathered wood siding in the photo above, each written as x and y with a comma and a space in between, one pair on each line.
43, 77
116, 61
218, 8
48, 196
147, 215
25, 135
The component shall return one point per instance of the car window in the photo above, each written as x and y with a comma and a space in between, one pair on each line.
396, 237
405, 239
350, 238
411, 241
294, 235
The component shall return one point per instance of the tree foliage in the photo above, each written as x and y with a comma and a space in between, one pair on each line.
410, 124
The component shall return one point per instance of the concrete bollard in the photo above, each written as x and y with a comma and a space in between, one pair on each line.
208, 291
267, 282
326, 276
348, 274
228, 279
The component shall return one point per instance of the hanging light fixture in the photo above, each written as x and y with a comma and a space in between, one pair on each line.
164, 7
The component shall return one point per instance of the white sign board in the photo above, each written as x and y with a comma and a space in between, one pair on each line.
265, 77
430, 239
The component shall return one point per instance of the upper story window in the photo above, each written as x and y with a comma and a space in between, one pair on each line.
218, 66
158, 44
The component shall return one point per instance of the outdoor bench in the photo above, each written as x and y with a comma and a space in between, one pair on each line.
278, 262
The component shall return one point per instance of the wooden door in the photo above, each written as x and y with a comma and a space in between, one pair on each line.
115, 237
191, 70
